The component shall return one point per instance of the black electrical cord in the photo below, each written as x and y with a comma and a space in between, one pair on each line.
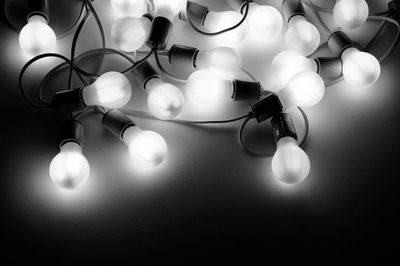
27, 65
247, 6
255, 154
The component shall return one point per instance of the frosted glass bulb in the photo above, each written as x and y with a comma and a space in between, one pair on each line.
217, 21
287, 64
37, 37
146, 147
111, 90
223, 61
359, 68
350, 14
305, 89
290, 164
204, 87
302, 36
265, 22
169, 8
69, 169
164, 100
129, 34
131, 8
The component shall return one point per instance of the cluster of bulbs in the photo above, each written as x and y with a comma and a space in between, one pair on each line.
299, 79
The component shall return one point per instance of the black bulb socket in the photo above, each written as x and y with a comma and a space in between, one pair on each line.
283, 126
72, 131
69, 101
329, 67
38, 7
185, 55
291, 8
267, 107
160, 32
144, 73
197, 13
338, 42
117, 123
246, 91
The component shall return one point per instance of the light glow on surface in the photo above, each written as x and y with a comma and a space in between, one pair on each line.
226, 62
286, 65
302, 36
131, 8
290, 164
350, 14
146, 147
165, 101
360, 69
305, 89
129, 34
69, 169
205, 88
37, 37
111, 90
217, 21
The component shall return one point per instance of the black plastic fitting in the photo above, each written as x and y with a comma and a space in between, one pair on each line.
72, 131
329, 67
267, 107
38, 7
246, 90
291, 8
117, 123
160, 32
183, 54
144, 73
338, 42
198, 13
69, 101
283, 126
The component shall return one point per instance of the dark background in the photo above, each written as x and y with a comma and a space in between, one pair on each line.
209, 199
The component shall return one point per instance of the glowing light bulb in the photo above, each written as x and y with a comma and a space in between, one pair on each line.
217, 21
223, 61
265, 22
302, 36
350, 14
129, 33
164, 100
359, 68
288, 63
169, 9
146, 147
131, 8
204, 87
290, 164
69, 169
110, 90
37, 37
305, 89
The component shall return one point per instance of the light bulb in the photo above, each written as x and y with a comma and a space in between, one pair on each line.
265, 22
217, 21
290, 164
302, 36
169, 8
288, 63
204, 87
350, 14
111, 90
164, 100
305, 89
359, 68
223, 61
145, 146
131, 8
37, 37
129, 33
69, 169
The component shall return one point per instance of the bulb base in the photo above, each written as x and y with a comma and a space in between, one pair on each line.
198, 13
72, 131
180, 54
160, 32
329, 67
267, 107
338, 42
246, 91
38, 7
69, 101
291, 8
283, 126
144, 73
117, 123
